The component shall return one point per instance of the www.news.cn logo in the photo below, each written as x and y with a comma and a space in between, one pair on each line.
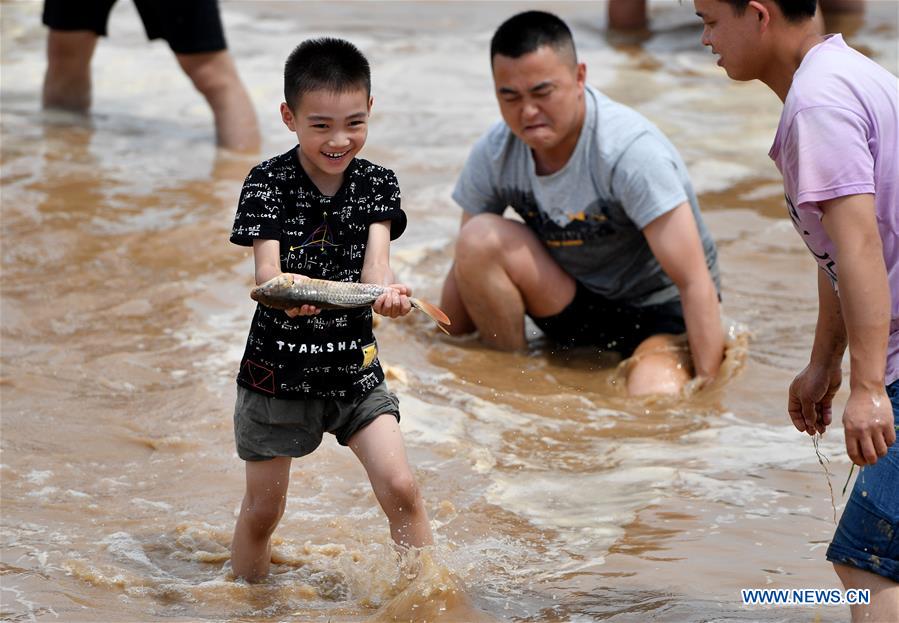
805, 597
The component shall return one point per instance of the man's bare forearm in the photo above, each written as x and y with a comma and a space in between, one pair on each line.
703, 320
830, 331
864, 299
865, 305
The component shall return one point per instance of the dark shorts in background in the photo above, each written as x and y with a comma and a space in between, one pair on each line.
189, 26
867, 536
266, 427
592, 320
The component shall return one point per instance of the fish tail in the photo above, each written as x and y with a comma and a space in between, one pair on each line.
433, 312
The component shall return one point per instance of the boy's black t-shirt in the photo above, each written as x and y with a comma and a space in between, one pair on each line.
333, 354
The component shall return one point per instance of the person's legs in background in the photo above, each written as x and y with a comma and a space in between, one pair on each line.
634, 14
841, 6
196, 35
193, 30
71, 41
628, 14
214, 74
843, 16
67, 81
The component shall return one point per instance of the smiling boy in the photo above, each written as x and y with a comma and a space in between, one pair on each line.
319, 211
612, 252
837, 147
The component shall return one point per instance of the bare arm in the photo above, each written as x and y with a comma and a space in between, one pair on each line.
376, 269
267, 257
810, 403
675, 242
851, 224
376, 264
830, 332
864, 290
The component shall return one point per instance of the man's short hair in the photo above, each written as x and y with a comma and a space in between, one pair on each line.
327, 63
526, 32
793, 10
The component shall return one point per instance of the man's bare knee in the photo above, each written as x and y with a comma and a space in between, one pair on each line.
210, 72
659, 343
481, 230
479, 241
214, 75
74, 48
659, 365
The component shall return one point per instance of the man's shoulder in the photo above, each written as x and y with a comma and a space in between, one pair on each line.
821, 83
837, 75
605, 109
624, 138
617, 126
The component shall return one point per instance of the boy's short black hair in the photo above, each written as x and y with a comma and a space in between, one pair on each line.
326, 63
793, 10
526, 32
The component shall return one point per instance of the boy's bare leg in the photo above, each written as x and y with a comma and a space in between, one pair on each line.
67, 81
501, 271
884, 604
261, 510
661, 366
215, 76
627, 14
379, 446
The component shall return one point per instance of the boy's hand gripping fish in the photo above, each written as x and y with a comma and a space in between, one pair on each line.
285, 292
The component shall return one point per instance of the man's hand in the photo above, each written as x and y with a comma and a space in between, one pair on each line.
394, 302
868, 422
811, 398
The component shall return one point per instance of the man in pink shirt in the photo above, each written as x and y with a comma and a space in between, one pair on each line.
837, 147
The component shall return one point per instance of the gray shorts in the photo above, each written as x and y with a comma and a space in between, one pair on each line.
266, 427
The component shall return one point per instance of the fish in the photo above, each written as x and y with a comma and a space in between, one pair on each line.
286, 292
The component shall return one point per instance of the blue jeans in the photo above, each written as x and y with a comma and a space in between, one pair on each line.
868, 534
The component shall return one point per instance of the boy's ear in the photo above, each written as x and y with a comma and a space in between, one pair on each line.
288, 118
371, 100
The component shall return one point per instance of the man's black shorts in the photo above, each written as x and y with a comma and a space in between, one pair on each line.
591, 320
189, 26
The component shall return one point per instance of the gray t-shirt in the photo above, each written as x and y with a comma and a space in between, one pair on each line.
622, 175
